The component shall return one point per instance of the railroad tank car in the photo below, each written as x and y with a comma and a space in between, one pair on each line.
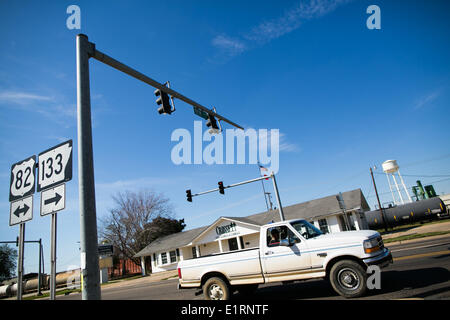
426, 209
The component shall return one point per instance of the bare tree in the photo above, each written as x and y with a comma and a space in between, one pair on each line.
130, 226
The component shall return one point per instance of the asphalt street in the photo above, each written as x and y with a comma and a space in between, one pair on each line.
421, 270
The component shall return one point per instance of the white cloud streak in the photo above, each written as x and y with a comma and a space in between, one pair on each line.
22, 98
427, 99
49, 106
272, 29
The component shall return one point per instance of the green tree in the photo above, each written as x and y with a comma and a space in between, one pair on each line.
8, 262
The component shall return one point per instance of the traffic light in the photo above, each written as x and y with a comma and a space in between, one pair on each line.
164, 101
221, 188
212, 124
189, 195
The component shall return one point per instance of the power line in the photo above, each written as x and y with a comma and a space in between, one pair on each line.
410, 187
421, 175
447, 155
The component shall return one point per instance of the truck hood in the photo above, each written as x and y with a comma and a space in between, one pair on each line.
343, 237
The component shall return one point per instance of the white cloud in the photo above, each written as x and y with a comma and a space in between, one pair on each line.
231, 46
268, 30
138, 183
52, 107
427, 99
283, 144
22, 98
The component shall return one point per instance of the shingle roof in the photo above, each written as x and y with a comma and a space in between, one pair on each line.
172, 241
309, 210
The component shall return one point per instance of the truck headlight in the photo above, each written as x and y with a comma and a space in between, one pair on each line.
371, 245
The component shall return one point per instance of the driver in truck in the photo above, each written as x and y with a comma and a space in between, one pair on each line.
275, 234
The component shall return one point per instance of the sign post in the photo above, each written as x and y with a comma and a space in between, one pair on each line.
21, 189
55, 168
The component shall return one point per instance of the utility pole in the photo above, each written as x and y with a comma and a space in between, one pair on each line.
264, 190
378, 199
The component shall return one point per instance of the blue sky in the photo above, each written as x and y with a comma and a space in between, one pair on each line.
343, 97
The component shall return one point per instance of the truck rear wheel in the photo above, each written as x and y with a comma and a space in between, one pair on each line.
216, 289
348, 278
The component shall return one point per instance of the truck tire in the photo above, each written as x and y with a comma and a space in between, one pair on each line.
348, 278
216, 289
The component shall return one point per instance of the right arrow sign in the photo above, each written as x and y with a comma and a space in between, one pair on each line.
53, 200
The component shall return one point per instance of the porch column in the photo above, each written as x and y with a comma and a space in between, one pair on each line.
143, 272
356, 220
220, 246
239, 243
197, 249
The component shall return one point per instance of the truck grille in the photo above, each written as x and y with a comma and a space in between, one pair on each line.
380, 242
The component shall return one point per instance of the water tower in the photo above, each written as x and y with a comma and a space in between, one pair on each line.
391, 168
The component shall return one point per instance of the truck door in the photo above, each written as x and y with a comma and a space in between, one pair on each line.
284, 255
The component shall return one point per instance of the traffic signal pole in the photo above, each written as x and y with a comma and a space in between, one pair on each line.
85, 50
272, 176
90, 271
137, 75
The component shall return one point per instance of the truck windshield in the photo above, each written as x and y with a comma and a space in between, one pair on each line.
306, 229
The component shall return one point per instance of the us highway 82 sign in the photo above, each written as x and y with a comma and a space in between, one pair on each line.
22, 179
55, 166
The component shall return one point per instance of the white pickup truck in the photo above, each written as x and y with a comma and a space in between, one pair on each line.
288, 251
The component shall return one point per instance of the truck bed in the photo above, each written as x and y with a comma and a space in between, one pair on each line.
241, 267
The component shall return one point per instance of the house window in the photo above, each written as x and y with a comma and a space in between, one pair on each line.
194, 252
323, 225
173, 256
164, 258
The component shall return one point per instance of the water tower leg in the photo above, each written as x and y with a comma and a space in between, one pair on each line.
390, 188
404, 186
398, 189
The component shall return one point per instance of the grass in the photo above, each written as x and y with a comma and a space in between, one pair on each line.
122, 279
69, 291
58, 293
415, 236
409, 226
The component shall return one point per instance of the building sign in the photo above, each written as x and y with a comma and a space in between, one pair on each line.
220, 230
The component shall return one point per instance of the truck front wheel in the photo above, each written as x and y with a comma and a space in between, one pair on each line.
348, 278
216, 289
